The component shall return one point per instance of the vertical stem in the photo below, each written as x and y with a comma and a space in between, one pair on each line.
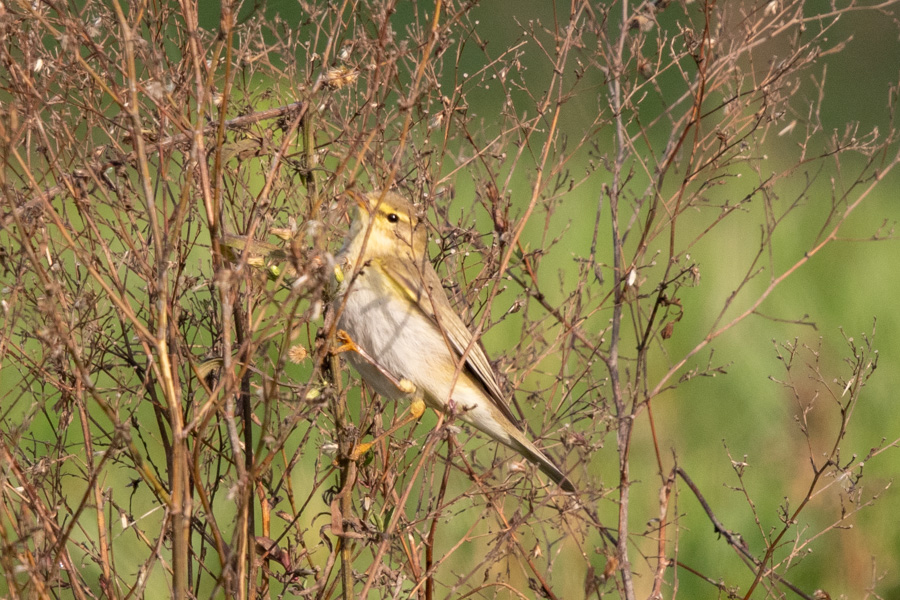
241, 325
623, 416
179, 505
345, 443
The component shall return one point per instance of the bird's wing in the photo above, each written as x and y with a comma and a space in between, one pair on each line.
422, 285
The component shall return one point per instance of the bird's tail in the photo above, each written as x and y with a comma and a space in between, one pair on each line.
523, 446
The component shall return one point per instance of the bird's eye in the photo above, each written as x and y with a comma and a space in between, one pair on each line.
393, 217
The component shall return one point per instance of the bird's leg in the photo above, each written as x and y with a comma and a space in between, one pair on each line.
348, 345
416, 410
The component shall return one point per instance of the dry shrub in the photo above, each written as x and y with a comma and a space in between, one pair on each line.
173, 420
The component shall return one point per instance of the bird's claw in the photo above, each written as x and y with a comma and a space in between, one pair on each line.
417, 408
347, 343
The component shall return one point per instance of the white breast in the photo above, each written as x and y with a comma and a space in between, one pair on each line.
402, 341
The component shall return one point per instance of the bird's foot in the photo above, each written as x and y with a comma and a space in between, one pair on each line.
347, 343
417, 408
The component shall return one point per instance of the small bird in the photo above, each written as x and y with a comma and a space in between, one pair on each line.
393, 309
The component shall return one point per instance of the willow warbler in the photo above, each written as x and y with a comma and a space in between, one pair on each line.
393, 308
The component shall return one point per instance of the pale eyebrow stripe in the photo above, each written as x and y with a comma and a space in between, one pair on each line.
386, 210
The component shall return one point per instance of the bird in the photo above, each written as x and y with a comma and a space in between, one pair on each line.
403, 334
